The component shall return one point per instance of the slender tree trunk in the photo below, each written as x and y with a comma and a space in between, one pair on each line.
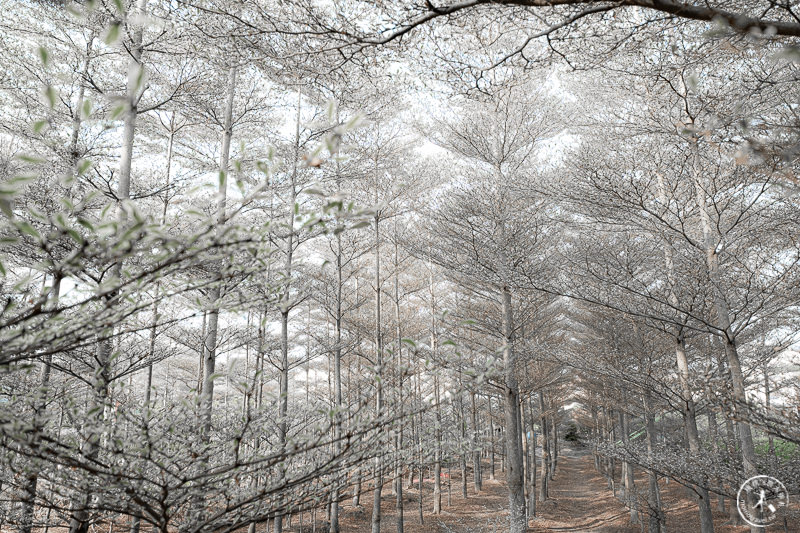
79, 520
532, 472
285, 306
202, 351
337, 372
596, 437
209, 350
135, 521
476, 448
463, 424
692, 434
628, 481
527, 444
437, 465
733, 453
656, 516
337, 381
714, 434
612, 468
689, 416
420, 482
357, 480
554, 422
544, 475
491, 440
398, 480
767, 404
514, 477
28, 496
724, 324
449, 485
378, 477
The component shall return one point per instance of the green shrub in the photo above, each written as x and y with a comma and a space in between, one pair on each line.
571, 434
784, 450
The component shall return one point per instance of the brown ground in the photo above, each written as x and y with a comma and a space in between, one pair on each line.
580, 502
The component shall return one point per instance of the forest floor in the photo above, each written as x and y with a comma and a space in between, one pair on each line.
580, 501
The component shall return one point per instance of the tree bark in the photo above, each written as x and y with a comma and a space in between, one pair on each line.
689, 417
514, 476
337, 367
286, 306
476, 450
544, 474
79, 520
655, 521
692, 434
491, 439
378, 476
725, 329
628, 481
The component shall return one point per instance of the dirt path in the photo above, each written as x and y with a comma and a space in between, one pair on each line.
580, 500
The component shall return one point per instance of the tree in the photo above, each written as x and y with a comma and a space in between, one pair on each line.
490, 237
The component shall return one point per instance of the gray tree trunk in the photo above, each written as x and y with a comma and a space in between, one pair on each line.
286, 306
692, 434
724, 324
655, 521
28, 496
476, 449
532, 472
544, 474
689, 416
79, 520
378, 476
337, 368
514, 476
628, 481
491, 439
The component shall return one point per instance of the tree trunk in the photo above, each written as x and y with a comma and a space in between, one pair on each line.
728, 336
357, 480
514, 477
532, 472
733, 453
79, 520
767, 405
628, 481
690, 421
544, 474
689, 416
398, 479
656, 516
437, 465
337, 374
491, 439
714, 434
28, 496
463, 423
285, 306
527, 444
554, 448
476, 449
378, 477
